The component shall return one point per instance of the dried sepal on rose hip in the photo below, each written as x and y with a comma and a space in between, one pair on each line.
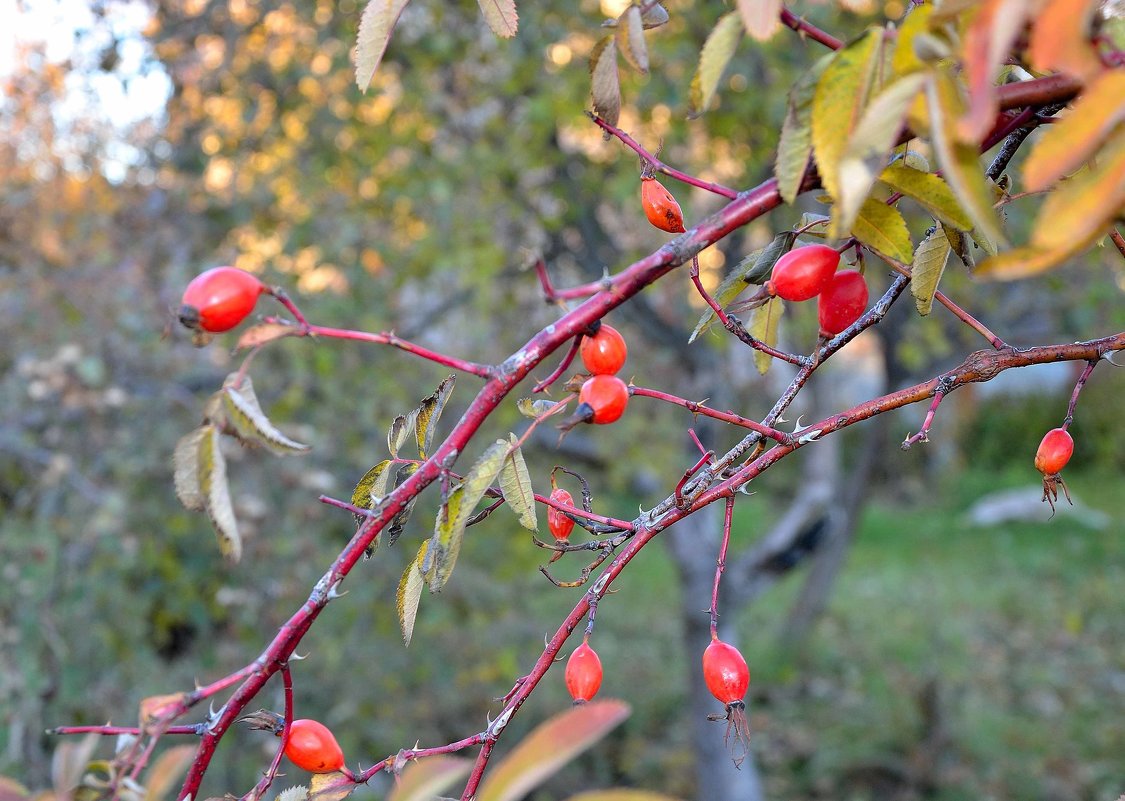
583, 672
1055, 450
728, 678
219, 299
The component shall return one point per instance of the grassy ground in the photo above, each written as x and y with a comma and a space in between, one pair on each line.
955, 663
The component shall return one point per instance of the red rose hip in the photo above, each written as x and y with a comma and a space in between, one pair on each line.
219, 299
1055, 450
583, 673
803, 273
605, 396
842, 302
725, 672
605, 352
558, 522
660, 207
312, 747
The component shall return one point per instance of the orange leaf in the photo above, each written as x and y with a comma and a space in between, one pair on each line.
1060, 39
989, 37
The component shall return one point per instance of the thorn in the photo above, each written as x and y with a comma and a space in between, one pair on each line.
813, 436
797, 426
745, 491
295, 657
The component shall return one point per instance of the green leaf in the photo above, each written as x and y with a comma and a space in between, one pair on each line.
501, 16
870, 146
605, 84
423, 779
450, 530
794, 149
375, 26
216, 494
250, 422
764, 322
929, 263
371, 488
515, 486
930, 191
429, 412
713, 59
631, 39
959, 162
754, 269
398, 523
762, 18
185, 469
905, 59
551, 745
409, 593
841, 95
882, 228
1066, 145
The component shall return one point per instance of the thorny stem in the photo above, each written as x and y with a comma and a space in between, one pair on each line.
266, 780
806, 28
923, 434
558, 371
1078, 391
691, 471
389, 338
552, 295
660, 166
726, 417
720, 565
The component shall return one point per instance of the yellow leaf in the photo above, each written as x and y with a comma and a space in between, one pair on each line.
515, 486
410, 593
904, 59
762, 18
216, 495
429, 412
838, 103
713, 59
926, 270
1066, 144
882, 228
501, 16
930, 191
250, 422
960, 162
330, 787
764, 322
1083, 207
794, 149
631, 39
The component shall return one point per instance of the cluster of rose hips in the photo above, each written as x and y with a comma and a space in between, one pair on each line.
811, 271
603, 396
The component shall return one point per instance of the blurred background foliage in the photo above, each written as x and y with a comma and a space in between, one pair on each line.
955, 662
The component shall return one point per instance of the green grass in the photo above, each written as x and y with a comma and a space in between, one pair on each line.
1021, 628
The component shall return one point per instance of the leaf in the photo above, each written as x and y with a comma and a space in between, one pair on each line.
754, 269
515, 486
549, 746
429, 412
929, 263
959, 162
451, 531
530, 407
11, 790
375, 26
930, 191
1082, 208
870, 146
501, 16
653, 16
1067, 144
794, 149
904, 59
882, 228
1022, 262
371, 488
185, 470
959, 243
764, 321
761, 18
260, 334
401, 428
328, 787
1060, 38
605, 85
991, 32
250, 422
631, 39
838, 103
410, 593
399, 521
423, 779
445, 544
296, 793
713, 59
68, 763
216, 494
166, 771
621, 794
